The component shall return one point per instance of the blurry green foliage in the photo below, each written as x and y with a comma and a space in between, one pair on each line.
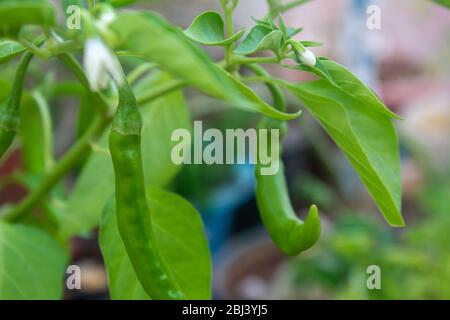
415, 264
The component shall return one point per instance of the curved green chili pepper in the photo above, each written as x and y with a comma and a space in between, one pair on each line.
10, 113
133, 215
289, 233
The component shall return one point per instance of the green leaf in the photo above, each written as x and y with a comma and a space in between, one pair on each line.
123, 281
31, 264
85, 203
266, 22
344, 79
181, 242
366, 136
181, 58
208, 29
9, 49
36, 133
160, 118
260, 38
15, 14
311, 43
290, 32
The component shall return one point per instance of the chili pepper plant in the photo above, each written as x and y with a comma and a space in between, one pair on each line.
129, 69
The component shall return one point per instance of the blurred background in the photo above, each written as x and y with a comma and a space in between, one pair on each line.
406, 63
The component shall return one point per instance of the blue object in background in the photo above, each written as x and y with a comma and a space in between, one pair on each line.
219, 211
356, 47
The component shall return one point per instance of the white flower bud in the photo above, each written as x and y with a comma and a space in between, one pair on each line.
106, 18
100, 64
308, 58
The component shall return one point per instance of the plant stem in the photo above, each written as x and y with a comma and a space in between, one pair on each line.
69, 160
248, 60
72, 64
134, 75
256, 79
34, 47
228, 11
49, 52
90, 4
160, 91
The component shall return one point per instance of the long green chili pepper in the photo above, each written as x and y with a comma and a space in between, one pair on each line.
288, 232
133, 214
10, 113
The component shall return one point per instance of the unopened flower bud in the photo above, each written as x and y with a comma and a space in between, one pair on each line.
100, 64
308, 58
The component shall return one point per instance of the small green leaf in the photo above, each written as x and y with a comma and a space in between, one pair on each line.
177, 55
31, 264
366, 136
266, 22
181, 242
282, 26
160, 118
9, 49
293, 31
208, 29
36, 133
15, 14
260, 38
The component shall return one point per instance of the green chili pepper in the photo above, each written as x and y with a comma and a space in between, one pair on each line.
10, 113
133, 214
289, 233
